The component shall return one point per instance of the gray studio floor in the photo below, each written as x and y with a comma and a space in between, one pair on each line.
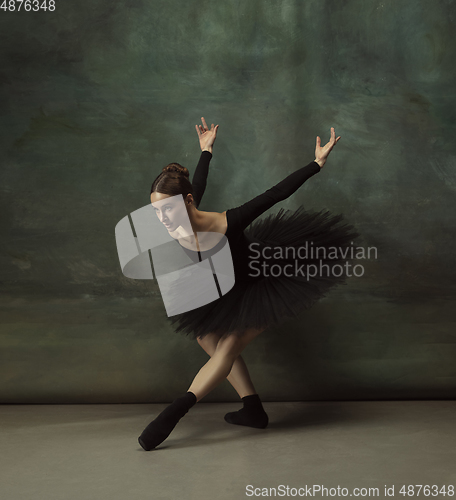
89, 452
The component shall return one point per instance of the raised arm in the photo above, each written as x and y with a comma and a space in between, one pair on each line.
200, 176
206, 139
240, 217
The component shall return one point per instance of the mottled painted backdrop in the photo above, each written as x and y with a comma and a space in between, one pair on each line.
97, 96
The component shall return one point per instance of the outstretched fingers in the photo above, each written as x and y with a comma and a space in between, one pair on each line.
200, 130
333, 137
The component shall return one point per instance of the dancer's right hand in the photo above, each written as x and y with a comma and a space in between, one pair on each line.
206, 136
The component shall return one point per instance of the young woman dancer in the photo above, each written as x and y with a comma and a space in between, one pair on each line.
224, 327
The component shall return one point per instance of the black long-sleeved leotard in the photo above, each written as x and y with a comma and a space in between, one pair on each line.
242, 216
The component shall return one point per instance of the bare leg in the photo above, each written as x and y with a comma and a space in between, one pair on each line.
239, 376
217, 369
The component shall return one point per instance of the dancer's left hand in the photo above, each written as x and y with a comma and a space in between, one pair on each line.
321, 153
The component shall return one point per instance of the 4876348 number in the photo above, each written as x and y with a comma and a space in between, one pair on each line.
27, 5
425, 490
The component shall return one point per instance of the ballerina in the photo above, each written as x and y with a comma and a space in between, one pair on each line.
224, 327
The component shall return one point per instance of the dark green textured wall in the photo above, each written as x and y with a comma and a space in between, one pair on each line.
98, 96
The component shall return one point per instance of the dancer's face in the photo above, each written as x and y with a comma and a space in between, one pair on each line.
170, 210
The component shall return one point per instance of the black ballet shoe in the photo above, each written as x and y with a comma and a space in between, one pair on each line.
160, 428
251, 415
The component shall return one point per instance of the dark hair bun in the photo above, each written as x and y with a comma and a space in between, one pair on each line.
175, 168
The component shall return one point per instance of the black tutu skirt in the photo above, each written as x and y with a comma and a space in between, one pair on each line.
272, 297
